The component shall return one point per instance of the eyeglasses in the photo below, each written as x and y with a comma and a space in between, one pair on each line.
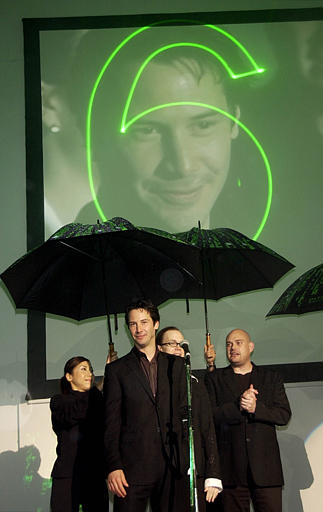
172, 344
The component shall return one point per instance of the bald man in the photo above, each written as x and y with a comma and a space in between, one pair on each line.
247, 403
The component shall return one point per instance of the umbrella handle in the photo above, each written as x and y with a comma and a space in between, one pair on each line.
111, 348
208, 339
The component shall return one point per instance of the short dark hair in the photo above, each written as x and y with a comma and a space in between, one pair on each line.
68, 368
160, 335
145, 304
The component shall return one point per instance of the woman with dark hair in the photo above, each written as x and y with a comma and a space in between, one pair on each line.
77, 419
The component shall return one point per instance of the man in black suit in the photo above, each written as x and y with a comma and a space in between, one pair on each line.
247, 403
207, 465
143, 395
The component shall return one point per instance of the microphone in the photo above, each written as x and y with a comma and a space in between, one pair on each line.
185, 346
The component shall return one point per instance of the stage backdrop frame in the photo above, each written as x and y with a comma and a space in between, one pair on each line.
38, 384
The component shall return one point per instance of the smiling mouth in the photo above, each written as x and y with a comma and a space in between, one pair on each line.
176, 195
174, 198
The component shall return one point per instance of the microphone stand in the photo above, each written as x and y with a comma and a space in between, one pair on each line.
193, 488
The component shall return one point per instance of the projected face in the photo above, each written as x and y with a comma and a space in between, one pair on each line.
179, 155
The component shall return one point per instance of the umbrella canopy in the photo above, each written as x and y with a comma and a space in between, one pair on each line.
302, 296
85, 270
232, 263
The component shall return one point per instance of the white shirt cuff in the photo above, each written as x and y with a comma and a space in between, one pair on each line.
213, 482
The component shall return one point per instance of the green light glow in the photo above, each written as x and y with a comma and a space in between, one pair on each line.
28, 479
257, 69
241, 125
46, 485
89, 115
125, 124
233, 75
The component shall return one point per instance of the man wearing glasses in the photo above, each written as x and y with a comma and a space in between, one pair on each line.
208, 480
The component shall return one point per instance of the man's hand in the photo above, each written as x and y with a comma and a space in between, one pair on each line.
211, 493
248, 400
117, 482
210, 354
112, 356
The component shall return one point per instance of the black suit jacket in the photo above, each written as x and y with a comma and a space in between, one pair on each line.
142, 432
207, 460
249, 438
77, 419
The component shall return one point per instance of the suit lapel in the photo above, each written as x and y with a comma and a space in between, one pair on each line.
133, 364
254, 376
162, 377
168, 406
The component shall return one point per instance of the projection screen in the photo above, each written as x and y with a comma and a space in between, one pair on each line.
166, 121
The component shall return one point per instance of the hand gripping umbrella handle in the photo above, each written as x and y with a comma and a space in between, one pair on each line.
111, 348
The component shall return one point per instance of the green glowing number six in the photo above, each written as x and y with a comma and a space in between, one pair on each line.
126, 123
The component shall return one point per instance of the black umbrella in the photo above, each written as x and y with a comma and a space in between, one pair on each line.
231, 263
85, 270
302, 296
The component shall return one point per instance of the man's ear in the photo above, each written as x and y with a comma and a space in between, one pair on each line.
156, 326
251, 346
159, 348
235, 126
